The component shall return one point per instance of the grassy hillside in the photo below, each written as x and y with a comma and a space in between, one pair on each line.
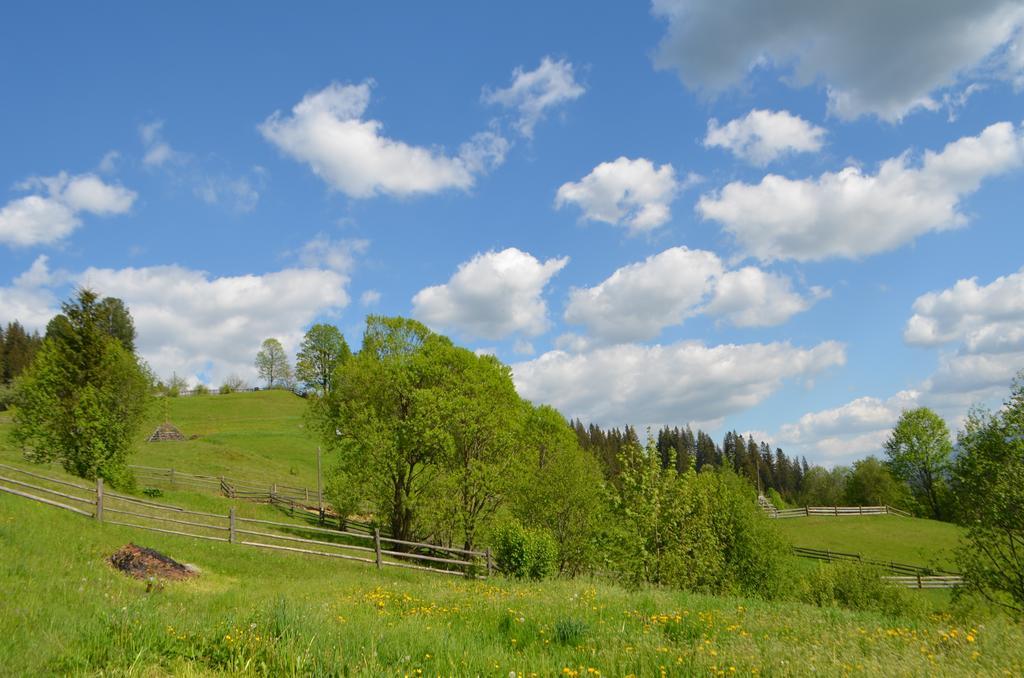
907, 540
257, 436
64, 610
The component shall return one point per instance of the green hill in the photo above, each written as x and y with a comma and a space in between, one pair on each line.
252, 436
914, 541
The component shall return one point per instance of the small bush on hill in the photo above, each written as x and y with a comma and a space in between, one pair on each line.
856, 587
525, 552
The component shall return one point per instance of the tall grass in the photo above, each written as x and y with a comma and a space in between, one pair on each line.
65, 611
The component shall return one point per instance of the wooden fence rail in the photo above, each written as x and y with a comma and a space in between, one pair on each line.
835, 511
241, 489
124, 510
897, 568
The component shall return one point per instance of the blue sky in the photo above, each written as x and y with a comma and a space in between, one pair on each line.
795, 221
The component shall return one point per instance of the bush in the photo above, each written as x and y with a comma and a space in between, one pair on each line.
201, 389
695, 531
153, 492
856, 587
232, 384
525, 553
776, 499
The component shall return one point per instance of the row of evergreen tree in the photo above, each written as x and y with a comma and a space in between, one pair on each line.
17, 347
749, 458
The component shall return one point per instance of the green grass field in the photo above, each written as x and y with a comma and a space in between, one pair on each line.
65, 611
249, 436
913, 541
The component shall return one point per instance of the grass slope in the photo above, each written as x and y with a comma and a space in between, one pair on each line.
64, 611
914, 541
249, 436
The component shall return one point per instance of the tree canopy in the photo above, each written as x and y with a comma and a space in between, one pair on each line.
988, 479
82, 399
272, 364
918, 450
322, 351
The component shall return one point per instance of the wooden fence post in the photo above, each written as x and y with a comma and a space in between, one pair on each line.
487, 553
860, 509
807, 511
919, 581
231, 525
99, 499
835, 511
376, 545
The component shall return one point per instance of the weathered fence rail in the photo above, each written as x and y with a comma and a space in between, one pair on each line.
927, 581
897, 568
230, 487
128, 511
835, 511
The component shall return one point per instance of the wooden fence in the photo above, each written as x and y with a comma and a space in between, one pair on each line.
119, 509
902, 569
836, 511
229, 487
949, 581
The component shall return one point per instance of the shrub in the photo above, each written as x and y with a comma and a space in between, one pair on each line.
776, 499
570, 631
201, 389
856, 587
153, 492
232, 384
695, 531
525, 553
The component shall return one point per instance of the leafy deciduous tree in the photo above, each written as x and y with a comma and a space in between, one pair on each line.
918, 450
323, 349
272, 363
988, 480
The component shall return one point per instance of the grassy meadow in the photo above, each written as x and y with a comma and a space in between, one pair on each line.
65, 611
914, 541
249, 436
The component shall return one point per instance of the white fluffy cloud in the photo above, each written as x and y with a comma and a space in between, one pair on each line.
985, 326
208, 327
968, 312
850, 431
336, 255
327, 131
874, 57
491, 296
752, 297
985, 323
638, 301
854, 214
761, 136
625, 192
630, 383
52, 212
532, 93
28, 299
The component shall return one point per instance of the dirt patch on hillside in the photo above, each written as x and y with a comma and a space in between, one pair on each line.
143, 563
